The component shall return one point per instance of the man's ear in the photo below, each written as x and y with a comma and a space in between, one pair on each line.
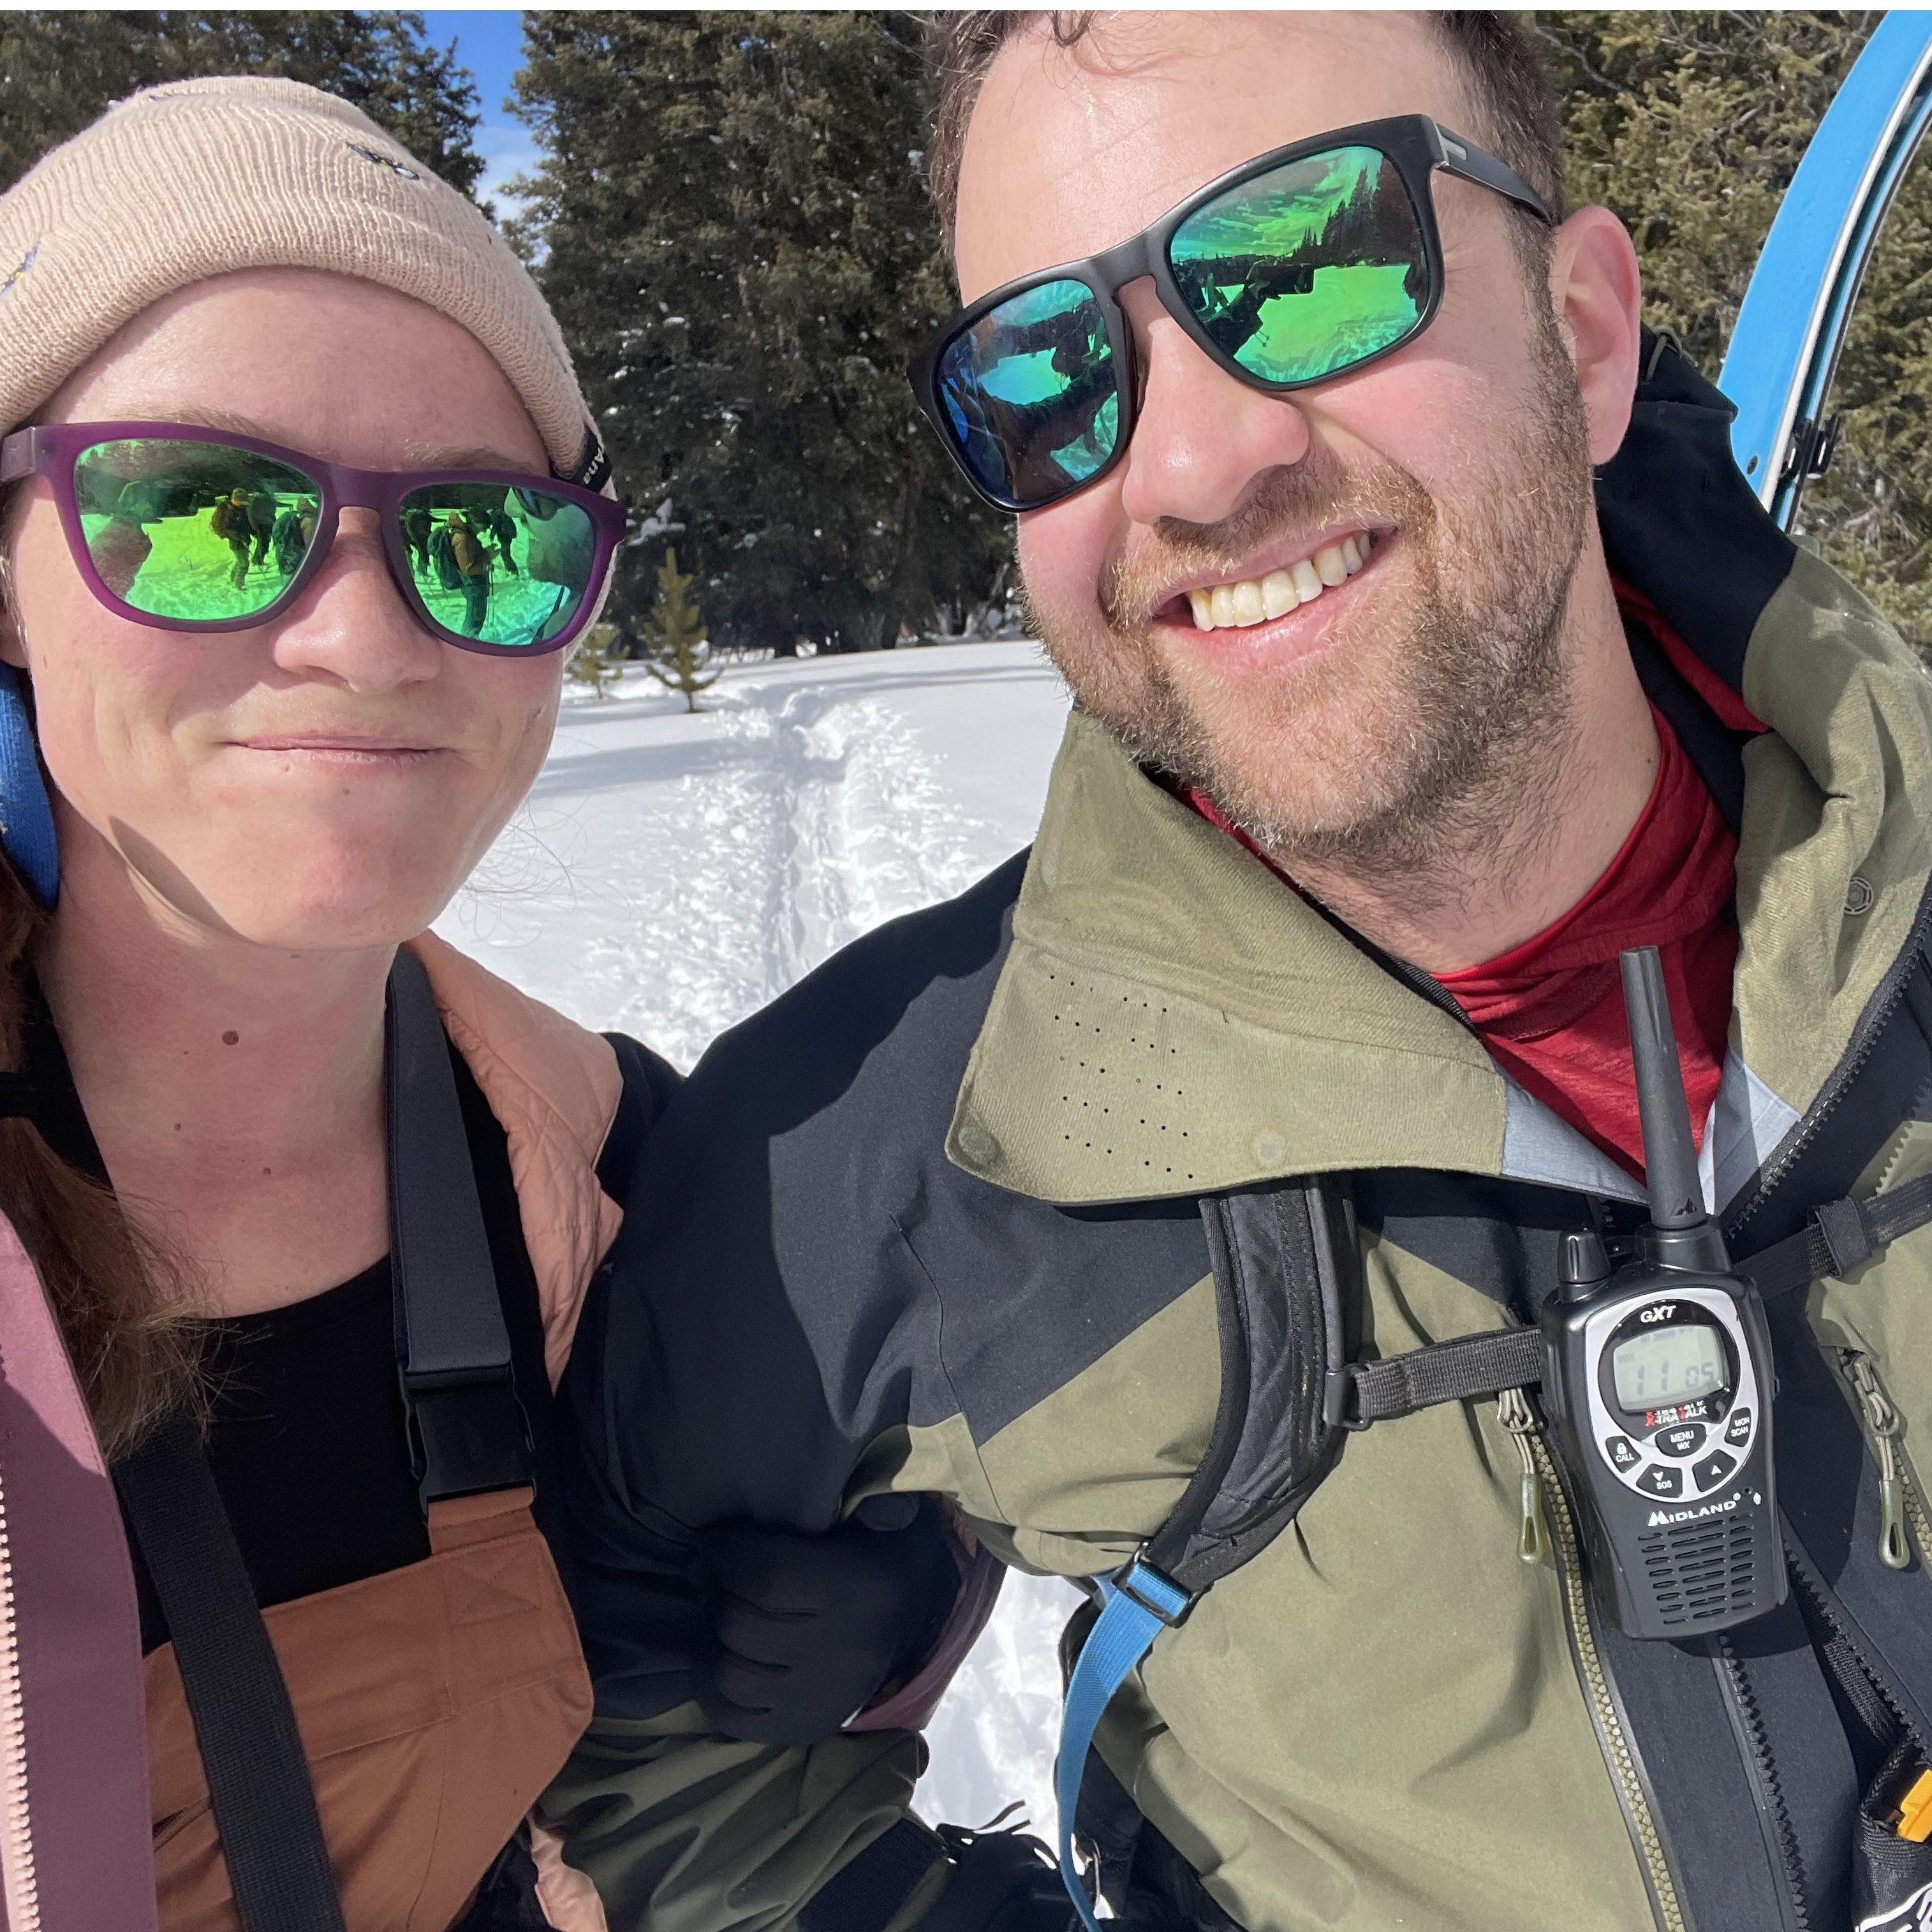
1596, 292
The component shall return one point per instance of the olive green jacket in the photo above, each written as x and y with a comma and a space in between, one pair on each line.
931, 1222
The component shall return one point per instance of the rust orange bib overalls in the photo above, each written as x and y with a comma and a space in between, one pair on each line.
431, 1704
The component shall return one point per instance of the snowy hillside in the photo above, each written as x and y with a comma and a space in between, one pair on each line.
671, 874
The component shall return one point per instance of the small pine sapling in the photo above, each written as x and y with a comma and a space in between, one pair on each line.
677, 649
596, 661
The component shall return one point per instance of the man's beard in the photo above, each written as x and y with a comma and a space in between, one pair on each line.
1423, 752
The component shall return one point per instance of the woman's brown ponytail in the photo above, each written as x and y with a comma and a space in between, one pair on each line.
135, 1353
135, 1350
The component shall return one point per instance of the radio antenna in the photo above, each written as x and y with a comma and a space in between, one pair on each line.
1669, 1154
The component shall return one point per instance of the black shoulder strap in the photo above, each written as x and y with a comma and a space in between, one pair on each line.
1287, 1292
1284, 1261
467, 1431
258, 1776
866, 1894
1471, 1365
1839, 1237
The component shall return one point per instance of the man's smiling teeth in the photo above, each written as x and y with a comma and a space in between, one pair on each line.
1235, 606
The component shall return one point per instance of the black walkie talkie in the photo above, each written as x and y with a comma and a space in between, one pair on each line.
1660, 1381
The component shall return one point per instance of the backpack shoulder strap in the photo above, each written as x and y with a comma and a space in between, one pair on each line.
467, 1430
1285, 1259
1287, 1300
1835, 1239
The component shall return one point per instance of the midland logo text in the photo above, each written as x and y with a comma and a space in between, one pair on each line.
1660, 1518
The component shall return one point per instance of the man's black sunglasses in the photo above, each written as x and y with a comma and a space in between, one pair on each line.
1310, 260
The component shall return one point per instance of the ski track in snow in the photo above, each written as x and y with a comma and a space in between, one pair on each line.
669, 874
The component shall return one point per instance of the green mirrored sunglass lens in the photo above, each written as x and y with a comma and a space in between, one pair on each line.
1307, 270
498, 563
198, 532
1029, 391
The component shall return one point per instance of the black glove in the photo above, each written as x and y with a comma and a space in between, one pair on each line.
805, 1629
1001, 1882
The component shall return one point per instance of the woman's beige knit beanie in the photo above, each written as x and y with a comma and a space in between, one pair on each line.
202, 177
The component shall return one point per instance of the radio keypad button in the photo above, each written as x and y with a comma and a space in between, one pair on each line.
1686, 1439
1658, 1480
1713, 1469
1622, 1453
1738, 1433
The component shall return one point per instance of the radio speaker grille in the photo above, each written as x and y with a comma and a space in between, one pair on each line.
1698, 1571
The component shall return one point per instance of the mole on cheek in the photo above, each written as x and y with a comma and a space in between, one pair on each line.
231, 1040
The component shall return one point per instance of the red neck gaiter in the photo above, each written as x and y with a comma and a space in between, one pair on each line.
1550, 1011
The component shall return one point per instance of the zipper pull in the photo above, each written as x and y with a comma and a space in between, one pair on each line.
1514, 1413
1895, 1549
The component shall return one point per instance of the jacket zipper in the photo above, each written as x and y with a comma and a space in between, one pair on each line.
1802, 1581
1543, 1486
19, 1885
1764, 1777
1891, 990
1547, 1491
1900, 1502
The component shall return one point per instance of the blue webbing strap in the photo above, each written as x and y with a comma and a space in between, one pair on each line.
1136, 1606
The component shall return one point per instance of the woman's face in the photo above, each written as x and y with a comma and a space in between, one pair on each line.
328, 779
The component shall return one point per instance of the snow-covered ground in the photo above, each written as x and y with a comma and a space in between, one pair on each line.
670, 873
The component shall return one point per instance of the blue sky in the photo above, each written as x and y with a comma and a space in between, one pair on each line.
490, 44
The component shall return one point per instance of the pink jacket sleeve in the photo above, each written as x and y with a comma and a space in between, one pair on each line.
75, 1836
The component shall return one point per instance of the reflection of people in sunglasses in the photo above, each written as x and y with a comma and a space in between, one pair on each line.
416, 534
1047, 426
1231, 294
553, 554
502, 527
1421, 665
122, 547
1052, 436
248, 1085
293, 527
472, 558
230, 520
261, 512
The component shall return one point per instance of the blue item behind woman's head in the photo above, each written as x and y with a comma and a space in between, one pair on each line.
26, 815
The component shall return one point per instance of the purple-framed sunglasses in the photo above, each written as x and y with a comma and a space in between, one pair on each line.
188, 529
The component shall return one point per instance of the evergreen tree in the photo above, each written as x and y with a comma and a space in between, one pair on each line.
677, 653
596, 661
736, 238
1691, 126
59, 70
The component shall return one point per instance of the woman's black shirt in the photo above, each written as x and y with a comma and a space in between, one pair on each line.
307, 1440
